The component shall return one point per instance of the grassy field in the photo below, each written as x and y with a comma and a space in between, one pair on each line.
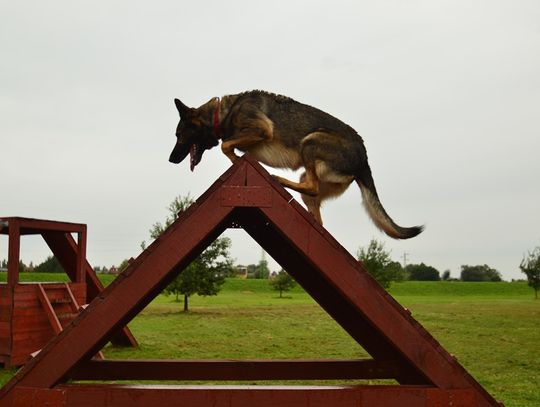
492, 328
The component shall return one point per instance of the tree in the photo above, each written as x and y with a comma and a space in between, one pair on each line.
206, 274
123, 265
282, 282
530, 265
446, 275
50, 265
479, 273
422, 272
378, 263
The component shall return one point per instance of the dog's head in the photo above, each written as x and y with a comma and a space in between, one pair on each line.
194, 133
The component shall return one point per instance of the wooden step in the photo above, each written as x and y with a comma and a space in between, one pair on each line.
67, 315
59, 300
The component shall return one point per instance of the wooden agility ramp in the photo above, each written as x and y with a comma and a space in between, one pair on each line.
246, 196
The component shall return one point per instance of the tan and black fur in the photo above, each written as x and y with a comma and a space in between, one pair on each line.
283, 133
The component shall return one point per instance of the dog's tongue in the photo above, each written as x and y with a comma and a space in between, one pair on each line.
192, 157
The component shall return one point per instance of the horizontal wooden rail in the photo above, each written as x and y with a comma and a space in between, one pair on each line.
95, 395
237, 370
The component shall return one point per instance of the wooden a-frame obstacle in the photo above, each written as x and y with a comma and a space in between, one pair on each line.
246, 196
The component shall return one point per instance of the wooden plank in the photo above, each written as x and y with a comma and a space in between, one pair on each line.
14, 246
4, 314
4, 345
27, 345
32, 397
5, 301
233, 370
242, 196
27, 291
74, 304
241, 396
15, 360
27, 309
49, 311
24, 328
80, 269
36, 226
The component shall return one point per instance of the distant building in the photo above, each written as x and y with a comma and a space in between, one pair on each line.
241, 271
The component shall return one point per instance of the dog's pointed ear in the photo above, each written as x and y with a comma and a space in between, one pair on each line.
182, 108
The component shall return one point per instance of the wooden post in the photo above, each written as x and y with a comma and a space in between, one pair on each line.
14, 247
81, 256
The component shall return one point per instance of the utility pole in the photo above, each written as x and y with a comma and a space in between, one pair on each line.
405, 255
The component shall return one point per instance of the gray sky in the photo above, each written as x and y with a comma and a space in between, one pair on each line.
446, 95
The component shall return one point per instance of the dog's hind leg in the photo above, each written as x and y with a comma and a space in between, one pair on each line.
313, 203
309, 181
327, 190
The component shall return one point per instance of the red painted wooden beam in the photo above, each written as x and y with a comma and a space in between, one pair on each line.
94, 395
235, 370
30, 226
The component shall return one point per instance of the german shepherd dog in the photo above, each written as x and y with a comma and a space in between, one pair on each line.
283, 133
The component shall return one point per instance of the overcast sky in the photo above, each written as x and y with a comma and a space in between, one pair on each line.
446, 95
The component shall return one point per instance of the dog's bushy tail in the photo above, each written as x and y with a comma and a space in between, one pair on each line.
376, 211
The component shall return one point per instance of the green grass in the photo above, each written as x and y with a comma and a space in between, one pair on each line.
492, 328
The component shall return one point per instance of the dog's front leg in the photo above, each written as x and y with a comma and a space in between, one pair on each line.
244, 139
227, 147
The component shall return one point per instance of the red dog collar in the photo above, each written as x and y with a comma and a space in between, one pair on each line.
217, 129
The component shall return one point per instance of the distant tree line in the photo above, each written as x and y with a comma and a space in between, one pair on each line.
479, 273
207, 273
379, 264
50, 265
